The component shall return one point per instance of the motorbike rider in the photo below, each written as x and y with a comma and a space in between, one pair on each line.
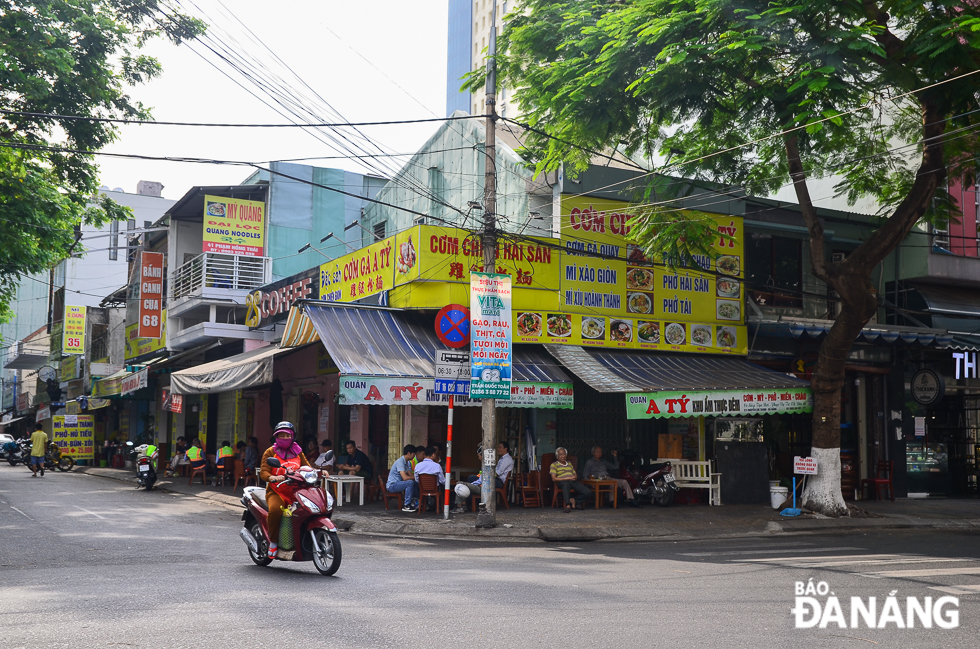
290, 455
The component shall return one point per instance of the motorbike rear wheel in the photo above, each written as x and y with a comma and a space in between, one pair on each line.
327, 561
667, 498
263, 558
66, 463
11, 460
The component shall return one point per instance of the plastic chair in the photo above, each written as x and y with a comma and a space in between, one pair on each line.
882, 480
429, 486
501, 492
198, 468
530, 489
241, 475
383, 490
226, 471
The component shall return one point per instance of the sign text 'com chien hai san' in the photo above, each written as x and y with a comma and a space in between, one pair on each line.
591, 287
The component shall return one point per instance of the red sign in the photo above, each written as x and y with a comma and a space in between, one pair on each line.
453, 325
172, 402
151, 295
805, 465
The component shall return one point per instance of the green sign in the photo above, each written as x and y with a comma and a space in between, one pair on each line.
717, 403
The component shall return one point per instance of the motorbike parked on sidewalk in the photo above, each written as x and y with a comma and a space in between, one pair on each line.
17, 452
20, 451
55, 459
146, 473
306, 532
657, 485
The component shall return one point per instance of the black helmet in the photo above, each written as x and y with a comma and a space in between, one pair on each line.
285, 425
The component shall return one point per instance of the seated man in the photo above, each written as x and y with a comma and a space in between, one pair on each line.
564, 476
326, 459
400, 479
418, 457
430, 465
195, 455
472, 486
357, 462
597, 467
251, 455
224, 457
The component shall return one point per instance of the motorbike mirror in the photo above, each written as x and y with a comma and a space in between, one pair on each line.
129, 443
274, 463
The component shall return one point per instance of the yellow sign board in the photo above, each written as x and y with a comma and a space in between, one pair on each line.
358, 275
233, 226
74, 435
136, 346
73, 334
69, 369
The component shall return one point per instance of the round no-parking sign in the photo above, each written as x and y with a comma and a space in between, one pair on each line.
453, 325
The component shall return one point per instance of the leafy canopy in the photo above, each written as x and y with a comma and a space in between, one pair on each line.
704, 76
66, 57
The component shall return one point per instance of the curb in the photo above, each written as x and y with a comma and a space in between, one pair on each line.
442, 529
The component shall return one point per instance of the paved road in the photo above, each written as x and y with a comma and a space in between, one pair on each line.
87, 562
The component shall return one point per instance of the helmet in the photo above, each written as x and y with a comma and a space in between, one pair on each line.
285, 426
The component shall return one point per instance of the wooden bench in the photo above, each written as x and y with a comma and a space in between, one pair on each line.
689, 474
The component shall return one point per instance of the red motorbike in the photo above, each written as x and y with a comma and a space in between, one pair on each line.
306, 532
656, 486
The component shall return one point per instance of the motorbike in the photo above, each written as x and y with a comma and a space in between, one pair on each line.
146, 473
55, 459
306, 532
19, 451
658, 485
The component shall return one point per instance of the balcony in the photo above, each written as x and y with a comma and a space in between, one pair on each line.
213, 273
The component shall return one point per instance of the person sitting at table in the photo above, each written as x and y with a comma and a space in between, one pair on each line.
430, 465
401, 479
599, 468
195, 455
251, 455
357, 462
418, 457
225, 454
326, 459
180, 456
240, 451
564, 476
472, 486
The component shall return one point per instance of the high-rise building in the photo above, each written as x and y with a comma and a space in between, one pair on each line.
469, 37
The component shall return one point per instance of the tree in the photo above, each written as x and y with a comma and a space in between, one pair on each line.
757, 94
73, 58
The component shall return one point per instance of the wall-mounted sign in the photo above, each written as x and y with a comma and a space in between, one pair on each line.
717, 403
137, 346
134, 382
23, 401
360, 274
490, 336
452, 371
271, 303
42, 414
151, 295
100, 370
965, 365
74, 435
73, 333
233, 226
70, 369
927, 387
369, 390
172, 402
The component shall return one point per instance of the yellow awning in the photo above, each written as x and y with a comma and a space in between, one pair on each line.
299, 330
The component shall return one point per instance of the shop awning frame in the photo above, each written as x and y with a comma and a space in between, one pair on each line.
238, 372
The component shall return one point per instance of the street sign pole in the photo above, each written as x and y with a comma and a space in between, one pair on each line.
449, 458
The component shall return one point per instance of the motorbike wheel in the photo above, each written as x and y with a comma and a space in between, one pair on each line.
11, 460
263, 558
667, 498
327, 561
66, 463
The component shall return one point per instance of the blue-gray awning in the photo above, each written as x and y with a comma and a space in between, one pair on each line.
377, 341
637, 371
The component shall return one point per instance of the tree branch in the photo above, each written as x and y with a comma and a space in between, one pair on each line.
818, 260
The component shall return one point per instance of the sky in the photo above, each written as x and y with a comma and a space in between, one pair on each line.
371, 61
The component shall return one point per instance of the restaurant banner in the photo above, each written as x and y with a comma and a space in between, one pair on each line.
42, 414
106, 387
137, 346
490, 336
151, 295
271, 303
369, 390
94, 403
23, 401
233, 226
133, 382
359, 274
717, 403
69, 368
75, 435
73, 333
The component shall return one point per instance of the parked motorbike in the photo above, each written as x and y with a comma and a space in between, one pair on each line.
658, 485
306, 532
55, 459
146, 473
18, 452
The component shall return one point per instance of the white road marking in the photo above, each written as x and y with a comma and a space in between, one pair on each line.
773, 551
932, 572
88, 512
840, 557
832, 564
971, 589
21, 513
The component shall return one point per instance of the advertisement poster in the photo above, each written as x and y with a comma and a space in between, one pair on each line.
73, 334
371, 390
360, 274
233, 226
151, 295
137, 346
490, 336
717, 403
74, 435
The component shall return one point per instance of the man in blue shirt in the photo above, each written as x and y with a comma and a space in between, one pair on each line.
400, 478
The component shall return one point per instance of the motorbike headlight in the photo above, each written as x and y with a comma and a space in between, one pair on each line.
309, 504
309, 476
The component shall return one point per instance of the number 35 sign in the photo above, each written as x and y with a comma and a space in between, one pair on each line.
73, 338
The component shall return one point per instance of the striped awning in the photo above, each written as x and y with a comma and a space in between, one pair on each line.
299, 330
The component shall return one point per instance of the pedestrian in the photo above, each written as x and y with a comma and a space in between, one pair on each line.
39, 445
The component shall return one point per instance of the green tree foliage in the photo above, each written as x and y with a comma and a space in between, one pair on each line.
880, 94
65, 57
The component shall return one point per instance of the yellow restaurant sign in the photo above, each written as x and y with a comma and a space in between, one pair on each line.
136, 346
233, 226
73, 334
358, 275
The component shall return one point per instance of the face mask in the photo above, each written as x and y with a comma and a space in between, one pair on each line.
284, 443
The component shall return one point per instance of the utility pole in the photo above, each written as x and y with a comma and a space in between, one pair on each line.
487, 516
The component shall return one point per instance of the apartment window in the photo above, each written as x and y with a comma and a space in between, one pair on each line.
774, 271
380, 229
436, 191
940, 236
114, 241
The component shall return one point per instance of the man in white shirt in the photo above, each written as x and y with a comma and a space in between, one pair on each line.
327, 458
472, 487
430, 466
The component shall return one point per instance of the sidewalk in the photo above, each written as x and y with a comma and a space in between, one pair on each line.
674, 523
